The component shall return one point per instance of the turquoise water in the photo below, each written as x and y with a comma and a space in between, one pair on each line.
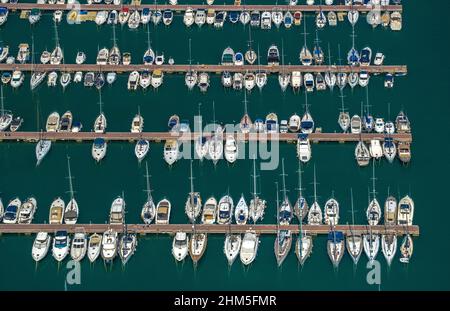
152, 267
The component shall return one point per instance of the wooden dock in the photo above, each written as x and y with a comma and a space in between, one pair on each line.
394, 69
200, 228
163, 136
182, 8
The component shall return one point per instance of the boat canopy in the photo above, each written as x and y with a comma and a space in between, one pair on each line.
3, 11
307, 124
337, 236
99, 141
302, 136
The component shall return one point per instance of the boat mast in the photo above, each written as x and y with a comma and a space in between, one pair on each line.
70, 178
373, 180
353, 216
250, 39
114, 35
148, 190
278, 217
259, 63
192, 188
245, 103
190, 56
282, 56
284, 181
100, 100
2, 103
148, 38
315, 185
304, 33
200, 122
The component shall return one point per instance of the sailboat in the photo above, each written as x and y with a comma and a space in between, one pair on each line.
197, 245
201, 143
306, 57
250, 55
315, 212
241, 212
261, 76
57, 56
301, 206
127, 246
330, 76
114, 54
193, 205
100, 122
191, 75
71, 212
42, 148
148, 209
331, 212
371, 245
373, 212
344, 116
354, 240
318, 55
307, 122
389, 246
215, 150
246, 122
5, 117
286, 211
283, 241
406, 249
353, 54
335, 246
284, 78
303, 246
232, 246
149, 55
257, 205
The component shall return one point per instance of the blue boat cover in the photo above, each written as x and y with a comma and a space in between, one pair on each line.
337, 236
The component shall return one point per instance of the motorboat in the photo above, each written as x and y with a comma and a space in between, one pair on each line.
231, 149
11, 213
79, 246
157, 78
180, 246
117, 211
249, 247
137, 124
133, 80
294, 123
94, 247
209, 211
56, 213
99, 147
100, 123
163, 209
375, 149
61, 245
109, 245
303, 148
405, 214
406, 249
225, 210
273, 56
41, 245
65, 124
27, 211
331, 212
271, 124
171, 151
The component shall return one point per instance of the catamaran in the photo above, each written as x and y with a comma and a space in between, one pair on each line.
71, 212
193, 205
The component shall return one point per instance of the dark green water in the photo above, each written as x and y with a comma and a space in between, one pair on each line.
418, 45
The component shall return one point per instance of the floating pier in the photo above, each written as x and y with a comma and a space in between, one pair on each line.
163, 136
182, 8
393, 69
200, 228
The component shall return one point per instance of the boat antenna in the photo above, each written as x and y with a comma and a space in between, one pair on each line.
70, 178
147, 177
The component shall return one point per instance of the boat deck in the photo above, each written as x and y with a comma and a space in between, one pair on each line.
163, 136
216, 7
214, 229
393, 69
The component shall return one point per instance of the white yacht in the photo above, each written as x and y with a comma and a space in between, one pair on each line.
109, 245
375, 149
79, 246
257, 205
405, 214
231, 149
331, 212
225, 210
163, 209
157, 78
27, 211
12, 211
99, 147
188, 18
249, 247
180, 246
171, 151
100, 123
41, 246
209, 211
94, 246
80, 58
56, 213
215, 150
137, 124
303, 148
71, 211
61, 245
117, 211
133, 80
17, 78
